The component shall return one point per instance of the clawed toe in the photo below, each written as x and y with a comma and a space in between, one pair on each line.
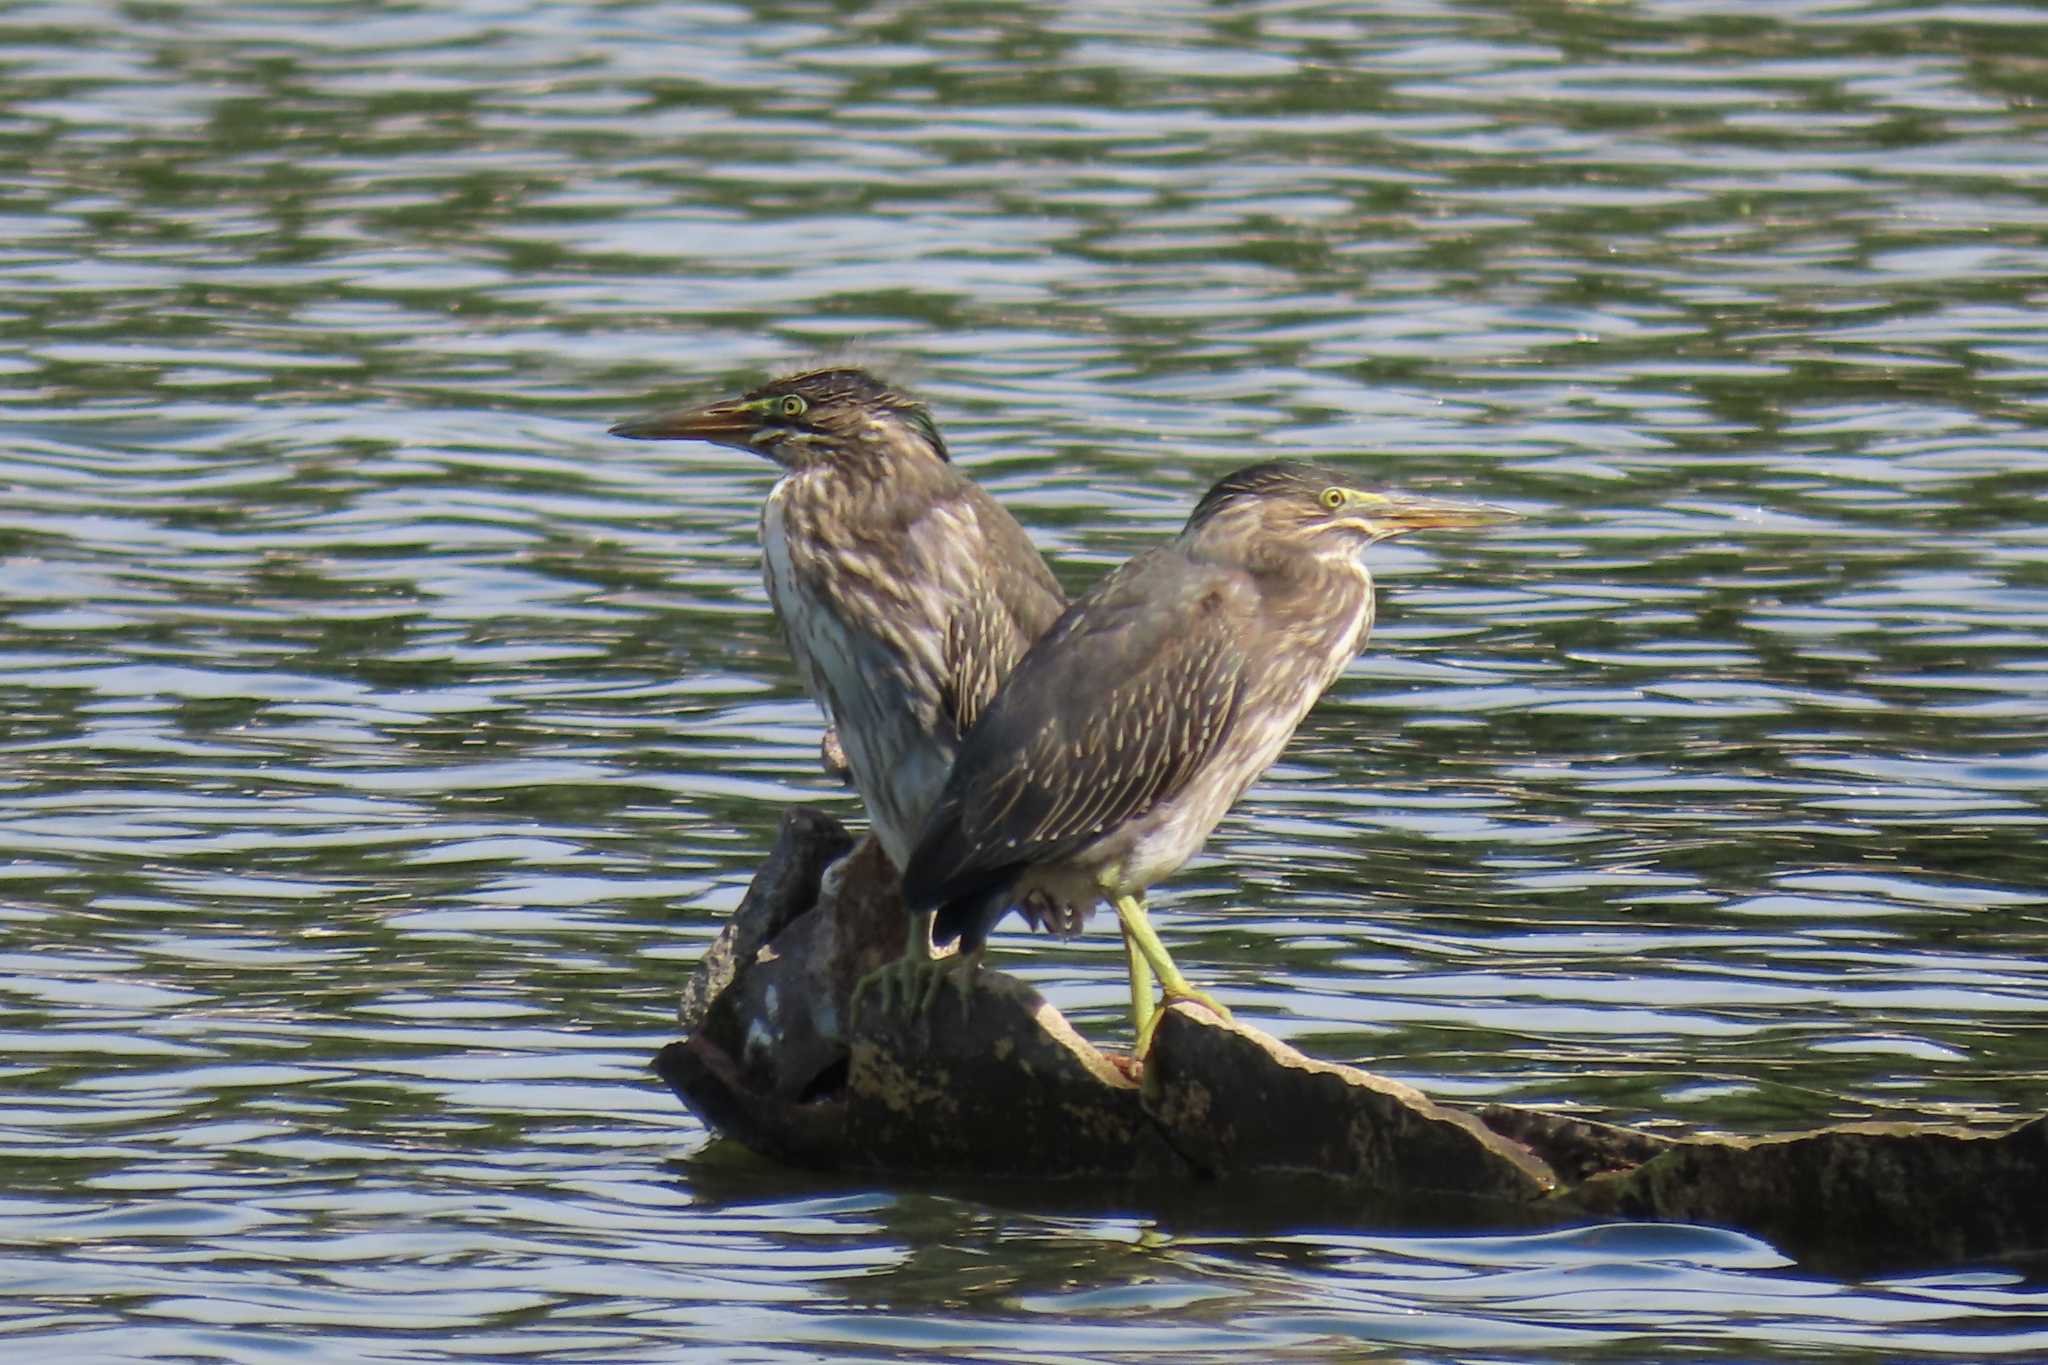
895, 986
1172, 997
911, 984
1202, 998
960, 971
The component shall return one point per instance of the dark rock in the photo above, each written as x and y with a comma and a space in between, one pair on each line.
1574, 1148
1242, 1104
782, 1018
1002, 1087
785, 887
797, 1132
1854, 1199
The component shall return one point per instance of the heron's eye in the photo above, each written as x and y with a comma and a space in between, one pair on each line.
792, 405
1332, 498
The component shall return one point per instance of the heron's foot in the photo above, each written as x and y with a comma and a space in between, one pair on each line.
896, 986
911, 984
1195, 997
1172, 995
901, 983
963, 970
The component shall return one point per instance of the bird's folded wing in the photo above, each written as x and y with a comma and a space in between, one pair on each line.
1113, 712
1010, 600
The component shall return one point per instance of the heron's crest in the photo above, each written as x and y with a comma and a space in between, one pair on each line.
1274, 479
842, 398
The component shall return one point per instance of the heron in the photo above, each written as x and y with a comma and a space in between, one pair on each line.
1126, 732
905, 591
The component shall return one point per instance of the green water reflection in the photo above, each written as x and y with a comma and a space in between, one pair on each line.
382, 743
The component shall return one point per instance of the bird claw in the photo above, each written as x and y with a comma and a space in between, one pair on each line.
895, 983
964, 971
1194, 997
911, 983
1170, 998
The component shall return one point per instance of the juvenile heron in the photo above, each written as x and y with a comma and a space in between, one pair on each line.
1123, 735
905, 591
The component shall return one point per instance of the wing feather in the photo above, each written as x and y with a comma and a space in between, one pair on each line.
1114, 711
1001, 616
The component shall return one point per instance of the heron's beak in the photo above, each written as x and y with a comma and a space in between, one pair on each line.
1396, 514
728, 423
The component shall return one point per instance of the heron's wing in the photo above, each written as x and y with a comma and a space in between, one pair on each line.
1114, 711
1011, 599
936, 594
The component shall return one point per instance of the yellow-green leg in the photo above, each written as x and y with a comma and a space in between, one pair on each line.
1142, 1007
1172, 985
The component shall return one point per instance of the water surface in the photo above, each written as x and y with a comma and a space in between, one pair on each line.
382, 742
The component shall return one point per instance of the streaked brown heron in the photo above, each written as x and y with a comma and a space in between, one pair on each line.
1123, 735
905, 591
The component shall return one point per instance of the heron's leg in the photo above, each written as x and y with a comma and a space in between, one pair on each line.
902, 982
1141, 983
961, 969
1172, 985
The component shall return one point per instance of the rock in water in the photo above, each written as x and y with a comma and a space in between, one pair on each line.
1005, 1089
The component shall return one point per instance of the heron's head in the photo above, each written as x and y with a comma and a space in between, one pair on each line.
802, 421
1313, 509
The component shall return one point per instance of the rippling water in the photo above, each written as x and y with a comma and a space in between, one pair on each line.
382, 742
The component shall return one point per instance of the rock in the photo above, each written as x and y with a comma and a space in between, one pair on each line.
781, 1018
1574, 1148
1854, 1199
785, 887
798, 1132
1241, 1104
1001, 1087
832, 756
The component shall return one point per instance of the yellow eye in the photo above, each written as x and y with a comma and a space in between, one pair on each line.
1332, 498
792, 405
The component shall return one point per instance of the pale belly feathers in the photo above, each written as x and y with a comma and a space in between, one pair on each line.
899, 764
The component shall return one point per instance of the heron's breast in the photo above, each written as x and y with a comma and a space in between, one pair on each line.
863, 682
1280, 692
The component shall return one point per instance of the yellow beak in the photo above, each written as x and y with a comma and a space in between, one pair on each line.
1395, 514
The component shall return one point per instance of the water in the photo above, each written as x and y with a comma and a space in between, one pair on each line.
382, 742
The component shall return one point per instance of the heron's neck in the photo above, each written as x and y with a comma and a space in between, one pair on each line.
876, 452
867, 490
1331, 575
1328, 593
1242, 543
